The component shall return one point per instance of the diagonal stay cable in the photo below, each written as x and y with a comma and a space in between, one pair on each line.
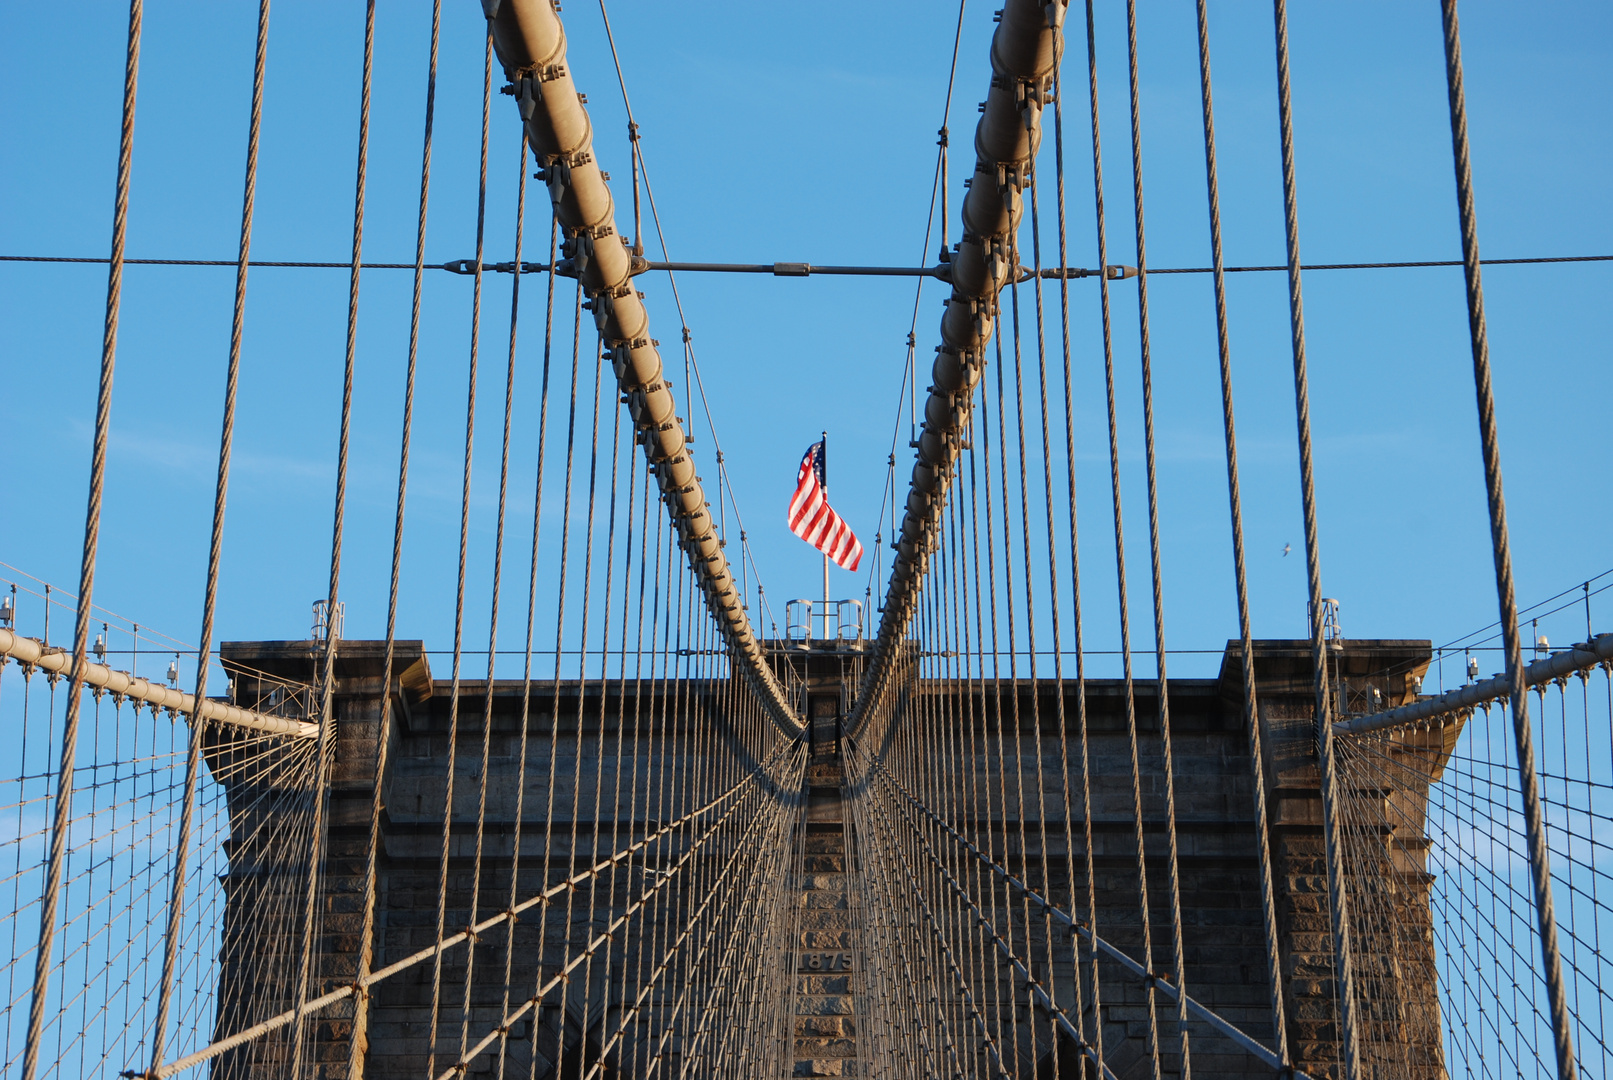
1163, 984
63, 810
561, 977
363, 984
1489, 439
985, 922
215, 556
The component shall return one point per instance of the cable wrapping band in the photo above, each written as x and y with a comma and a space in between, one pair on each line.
531, 45
1025, 51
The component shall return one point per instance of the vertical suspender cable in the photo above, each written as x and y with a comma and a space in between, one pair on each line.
611, 503
498, 541
459, 590
1268, 906
1178, 947
532, 599
1338, 897
560, 611
1489, 439
559, 652
355, 1064
357, 1032
328, 686
623, 976
63, 810
215, 554
1053, 604
1061, 719
1095, 1050
1001, 808
1124, 604
1250, 712
574, 812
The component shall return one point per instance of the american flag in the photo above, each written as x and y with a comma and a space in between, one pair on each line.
812, 519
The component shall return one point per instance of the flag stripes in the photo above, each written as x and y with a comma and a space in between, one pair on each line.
813, 520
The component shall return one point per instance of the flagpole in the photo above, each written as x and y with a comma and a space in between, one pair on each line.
824, 460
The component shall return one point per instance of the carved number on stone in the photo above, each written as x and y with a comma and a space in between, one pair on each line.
824, 961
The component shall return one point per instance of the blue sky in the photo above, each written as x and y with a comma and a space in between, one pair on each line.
808, 133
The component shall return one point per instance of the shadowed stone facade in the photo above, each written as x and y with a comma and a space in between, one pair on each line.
1226, 964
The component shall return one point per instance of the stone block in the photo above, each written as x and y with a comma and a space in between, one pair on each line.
821, 919
824, 1026
824, 900
821, 1049
830, 1005
825, 984
826, 940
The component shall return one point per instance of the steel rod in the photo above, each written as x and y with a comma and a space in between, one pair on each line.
56, 661
456, 266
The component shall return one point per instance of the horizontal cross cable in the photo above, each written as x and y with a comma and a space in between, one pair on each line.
1536, 260
32, 652
1582, 657
232, 263
319, 1004
1244, 1040
804, 269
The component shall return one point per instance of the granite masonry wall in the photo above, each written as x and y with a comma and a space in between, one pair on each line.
1226, 957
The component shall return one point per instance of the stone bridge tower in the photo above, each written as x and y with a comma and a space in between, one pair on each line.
1215, 821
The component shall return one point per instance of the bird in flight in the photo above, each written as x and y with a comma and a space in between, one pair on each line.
1286, 549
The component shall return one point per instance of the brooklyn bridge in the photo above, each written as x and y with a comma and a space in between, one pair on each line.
622, 808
